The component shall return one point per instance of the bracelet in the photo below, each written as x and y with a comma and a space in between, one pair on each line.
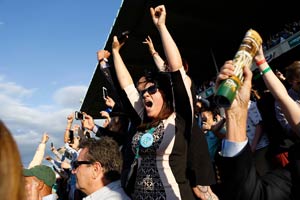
265, 71
262, 73
154, 53
258, 63
103, 59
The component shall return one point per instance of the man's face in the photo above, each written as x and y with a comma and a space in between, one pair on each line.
84, 174
207, 120
32, 187
296, 85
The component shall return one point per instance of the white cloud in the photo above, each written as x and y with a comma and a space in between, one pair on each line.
28, 124
13, 89
70, 96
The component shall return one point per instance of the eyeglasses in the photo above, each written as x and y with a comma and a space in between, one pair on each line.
151, 90
75, 164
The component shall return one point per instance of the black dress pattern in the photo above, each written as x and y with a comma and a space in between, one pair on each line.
148, 184
178, 158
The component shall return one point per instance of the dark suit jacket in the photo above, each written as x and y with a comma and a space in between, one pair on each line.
240, 180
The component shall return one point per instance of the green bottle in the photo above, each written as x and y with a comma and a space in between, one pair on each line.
227, 90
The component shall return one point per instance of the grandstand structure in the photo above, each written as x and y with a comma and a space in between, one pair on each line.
207, 34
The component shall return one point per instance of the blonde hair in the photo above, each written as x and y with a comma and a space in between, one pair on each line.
12, 182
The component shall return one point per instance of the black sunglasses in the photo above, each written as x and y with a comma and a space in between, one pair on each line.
151, 90
75, 164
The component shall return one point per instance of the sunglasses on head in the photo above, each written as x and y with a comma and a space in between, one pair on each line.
75, 164
151, 90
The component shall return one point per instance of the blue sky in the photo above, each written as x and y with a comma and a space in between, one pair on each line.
47, 60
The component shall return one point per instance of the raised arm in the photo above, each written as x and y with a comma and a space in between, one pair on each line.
159, 62
170, 48
70, 119
122, 72
236, 115
289, 107
39, 154
125, 79
102, 56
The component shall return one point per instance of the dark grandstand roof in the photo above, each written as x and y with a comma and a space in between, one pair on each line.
207, 34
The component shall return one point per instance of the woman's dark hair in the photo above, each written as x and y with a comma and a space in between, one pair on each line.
163, 82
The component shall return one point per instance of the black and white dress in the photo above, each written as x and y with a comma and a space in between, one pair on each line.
165, 169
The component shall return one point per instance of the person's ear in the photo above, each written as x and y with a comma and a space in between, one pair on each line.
38, 184
97, 169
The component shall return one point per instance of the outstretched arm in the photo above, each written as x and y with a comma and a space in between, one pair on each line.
39, 154
122, 72
68, 128
170, 48
159, 62
102, 56
289, 107
236, 115
125, 79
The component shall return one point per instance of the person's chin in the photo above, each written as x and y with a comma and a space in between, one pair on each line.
151, 114
205, 129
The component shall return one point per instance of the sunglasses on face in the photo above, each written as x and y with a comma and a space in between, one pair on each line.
151, 90
75, 164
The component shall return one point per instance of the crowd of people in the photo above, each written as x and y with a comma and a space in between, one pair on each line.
288, 30
176, 145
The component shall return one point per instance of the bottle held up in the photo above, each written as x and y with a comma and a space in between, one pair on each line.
227, 90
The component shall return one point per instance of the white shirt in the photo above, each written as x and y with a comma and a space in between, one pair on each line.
112, 191
254, 118
50, 197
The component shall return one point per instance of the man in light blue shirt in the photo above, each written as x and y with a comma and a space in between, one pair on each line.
98, 168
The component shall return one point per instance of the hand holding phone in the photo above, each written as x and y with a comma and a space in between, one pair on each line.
123, 36
79, 115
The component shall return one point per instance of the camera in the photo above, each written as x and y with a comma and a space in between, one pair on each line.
123, 36
79, 115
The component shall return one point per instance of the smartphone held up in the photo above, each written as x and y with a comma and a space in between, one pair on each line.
122, 37
104, 93
71, 136
79, 115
